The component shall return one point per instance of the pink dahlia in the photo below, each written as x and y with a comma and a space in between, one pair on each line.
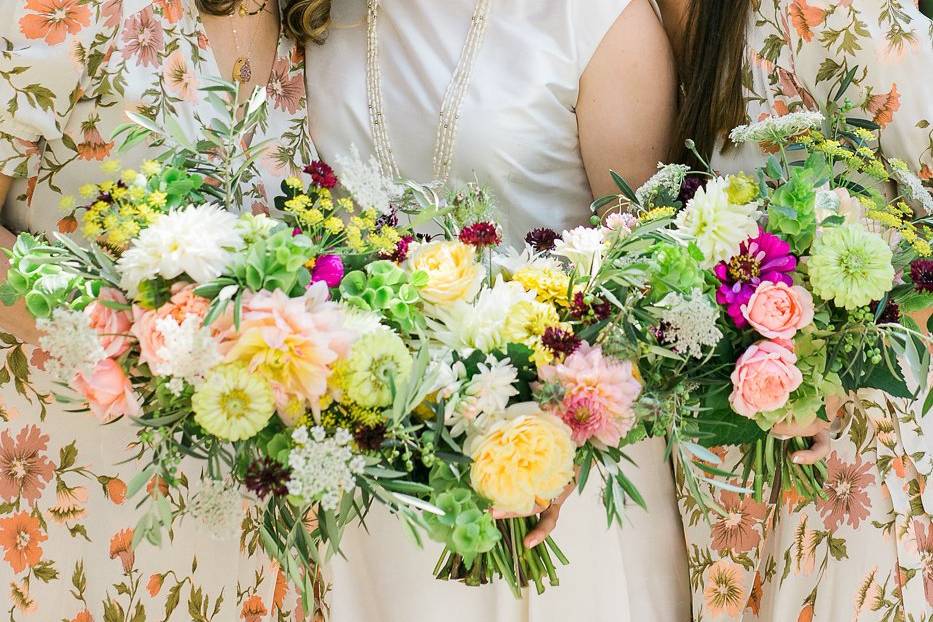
765, 258
598, 395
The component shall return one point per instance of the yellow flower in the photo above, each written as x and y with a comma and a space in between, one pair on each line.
157, 199
333, 224
294, 183
522, 458
87, 190
528, 319
66, 203
377, 361
110, 166
233, 404
742, 189
453, 273
129, 176
311, 217
150, 168
551, 285
298, 202
656, 214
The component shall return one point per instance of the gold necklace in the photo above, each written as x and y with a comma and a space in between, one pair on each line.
242, 66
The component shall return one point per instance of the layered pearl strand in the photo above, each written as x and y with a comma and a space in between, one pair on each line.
450, 108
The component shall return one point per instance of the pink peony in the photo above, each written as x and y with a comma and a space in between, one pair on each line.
112, 325
598, 395
108, 391
764, 377
328, 268
778, 311
292, 342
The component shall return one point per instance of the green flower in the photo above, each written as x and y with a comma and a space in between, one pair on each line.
465, 528
276, 262
742, 189
674, 268
378, 363
850, 266
387, 289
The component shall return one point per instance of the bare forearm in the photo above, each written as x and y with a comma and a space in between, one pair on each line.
15, 319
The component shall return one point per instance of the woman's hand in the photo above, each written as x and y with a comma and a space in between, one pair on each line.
549, 512
818, 431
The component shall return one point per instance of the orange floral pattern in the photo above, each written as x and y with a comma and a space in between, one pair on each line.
68, 72
864, 552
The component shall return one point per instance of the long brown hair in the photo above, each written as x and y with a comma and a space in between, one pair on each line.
711, 74
303, 20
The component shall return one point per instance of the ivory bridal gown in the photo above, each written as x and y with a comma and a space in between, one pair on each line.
518, 135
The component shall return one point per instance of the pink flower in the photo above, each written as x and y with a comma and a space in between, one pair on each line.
286, 90
108, 391
143, 38
112, 325
598, 395
24, 467
328, 268
764, 377
778, 311
737, 529
180, 77
846, 491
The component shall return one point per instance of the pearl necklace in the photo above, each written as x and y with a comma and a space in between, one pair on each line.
450, 108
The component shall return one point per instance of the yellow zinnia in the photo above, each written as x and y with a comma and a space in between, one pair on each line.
233, 404
522, 458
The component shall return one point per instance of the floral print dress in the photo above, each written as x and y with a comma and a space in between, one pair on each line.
865, 552
68, 71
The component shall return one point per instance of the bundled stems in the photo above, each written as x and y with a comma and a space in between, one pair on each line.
768, 462
509, 560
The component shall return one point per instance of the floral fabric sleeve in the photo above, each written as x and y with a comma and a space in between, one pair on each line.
881, 53
46, 50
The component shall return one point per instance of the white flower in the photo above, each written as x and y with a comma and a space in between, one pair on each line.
218, 507
323, 468
669, 179
912, 187
776, 129
198, 241
690, 323
188, 353
254, 227
584, 247
360, 321
487, 392
717, 225
620, 223
365, 181
509, 261
72, 344
479, 325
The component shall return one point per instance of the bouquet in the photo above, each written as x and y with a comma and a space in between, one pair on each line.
752, 299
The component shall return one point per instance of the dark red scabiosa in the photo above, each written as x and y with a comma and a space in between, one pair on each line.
370, 438
400, 253
541, 239
890, 315
321, 174
267, 476
389, 219
689, 187
921, 273
596, 310
481, 235
559, 341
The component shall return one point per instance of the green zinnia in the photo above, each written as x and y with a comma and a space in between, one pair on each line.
850, 266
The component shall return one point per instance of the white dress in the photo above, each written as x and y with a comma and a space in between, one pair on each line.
518, 135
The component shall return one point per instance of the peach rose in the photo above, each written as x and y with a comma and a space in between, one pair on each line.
108, 391
764, 377
778, 311
112, 325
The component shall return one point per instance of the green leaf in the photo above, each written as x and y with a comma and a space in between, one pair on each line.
881, 378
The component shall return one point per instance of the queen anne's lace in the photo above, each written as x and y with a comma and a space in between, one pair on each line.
669, 178
323, 467
188, 354
775, 129
72, 344
365, 181
690, 323
912, 186
219, 508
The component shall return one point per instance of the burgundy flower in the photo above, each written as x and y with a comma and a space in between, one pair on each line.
846, 493
891, 313
541, 239
321, 174
481, 234
267, 476
921, 273
560, 341
595, 311
763, 258
400, 253
691, 184
370, 438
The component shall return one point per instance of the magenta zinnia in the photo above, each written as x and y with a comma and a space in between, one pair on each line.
760, 259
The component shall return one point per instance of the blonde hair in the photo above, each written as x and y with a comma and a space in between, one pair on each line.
307, 20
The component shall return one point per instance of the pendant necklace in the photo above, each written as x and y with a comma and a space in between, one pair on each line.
242, 66
450, 108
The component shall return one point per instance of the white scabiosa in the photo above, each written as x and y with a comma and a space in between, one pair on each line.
717, 225
199, 240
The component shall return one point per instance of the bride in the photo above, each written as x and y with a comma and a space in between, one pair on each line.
539, 100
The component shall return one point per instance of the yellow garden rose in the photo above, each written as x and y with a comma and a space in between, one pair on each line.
453, 273
526, 456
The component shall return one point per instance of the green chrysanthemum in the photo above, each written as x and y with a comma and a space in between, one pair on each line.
233, 404
378, 361
850, 266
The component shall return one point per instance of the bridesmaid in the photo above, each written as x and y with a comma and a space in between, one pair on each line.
865, 552
544, 98
68, 71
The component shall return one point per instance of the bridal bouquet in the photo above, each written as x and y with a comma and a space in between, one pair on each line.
751, 299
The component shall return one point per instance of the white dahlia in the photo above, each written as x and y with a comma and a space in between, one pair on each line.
584, 247
717, 225
198, 241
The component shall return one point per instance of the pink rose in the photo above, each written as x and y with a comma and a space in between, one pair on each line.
108, 391
112, 325
764, 377
149, 336
778, 311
